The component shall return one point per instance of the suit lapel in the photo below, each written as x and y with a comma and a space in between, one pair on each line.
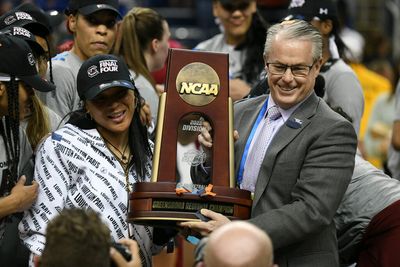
247, 118
283, 137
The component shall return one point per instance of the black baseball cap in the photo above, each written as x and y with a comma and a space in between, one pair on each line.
24, 20
37, 13
16, 59
25, 35
100, 73
87, 7
309, 9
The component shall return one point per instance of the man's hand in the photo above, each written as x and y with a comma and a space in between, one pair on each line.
119, 259
205, 228
24, 195
205, 138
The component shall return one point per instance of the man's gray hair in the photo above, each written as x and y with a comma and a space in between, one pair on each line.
295, 29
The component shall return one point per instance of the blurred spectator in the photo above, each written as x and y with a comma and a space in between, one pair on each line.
36, 119
41, 120
79, 238
342, 87
93, 25
160, 75
378, 47
372, 83
142, 41
379, 129
394, 148
76, 237
243, 36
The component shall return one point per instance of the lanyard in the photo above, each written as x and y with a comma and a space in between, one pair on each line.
248, 142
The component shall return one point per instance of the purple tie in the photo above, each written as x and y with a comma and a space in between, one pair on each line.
258, 149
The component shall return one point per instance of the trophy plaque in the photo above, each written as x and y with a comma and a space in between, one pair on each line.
196, 95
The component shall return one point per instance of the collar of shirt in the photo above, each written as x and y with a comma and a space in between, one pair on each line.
286, 113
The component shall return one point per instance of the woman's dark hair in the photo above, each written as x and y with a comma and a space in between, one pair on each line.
341, 46
254, 45
9, 130
138, 139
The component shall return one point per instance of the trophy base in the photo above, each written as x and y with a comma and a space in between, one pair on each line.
157, 204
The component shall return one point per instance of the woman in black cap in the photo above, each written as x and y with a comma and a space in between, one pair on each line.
93, 161
18, 75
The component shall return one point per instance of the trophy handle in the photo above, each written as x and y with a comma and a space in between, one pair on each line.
157, 146
232, 180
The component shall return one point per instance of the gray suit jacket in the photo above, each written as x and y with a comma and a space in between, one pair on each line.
303, 177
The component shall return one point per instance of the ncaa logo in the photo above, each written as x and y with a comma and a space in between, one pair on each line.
31, 59
92, 71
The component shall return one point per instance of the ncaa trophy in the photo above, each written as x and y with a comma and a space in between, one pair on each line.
197, 92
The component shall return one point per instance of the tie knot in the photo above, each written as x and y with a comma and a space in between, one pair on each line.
273, 113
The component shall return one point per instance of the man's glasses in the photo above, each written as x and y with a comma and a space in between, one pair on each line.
296, 70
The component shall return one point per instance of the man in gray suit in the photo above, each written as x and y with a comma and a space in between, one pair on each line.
307, 155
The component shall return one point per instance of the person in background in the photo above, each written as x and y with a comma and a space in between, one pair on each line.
394, 147
93, 25
37, 120
161, 75
94, 160
372, 83
242, 36
293, 152
342, 87
19, 17
367, 220
379, 128
17, 191
79, 238
143, 42
44, 38
238, 244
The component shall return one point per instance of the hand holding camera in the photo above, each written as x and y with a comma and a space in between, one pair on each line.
125, 253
